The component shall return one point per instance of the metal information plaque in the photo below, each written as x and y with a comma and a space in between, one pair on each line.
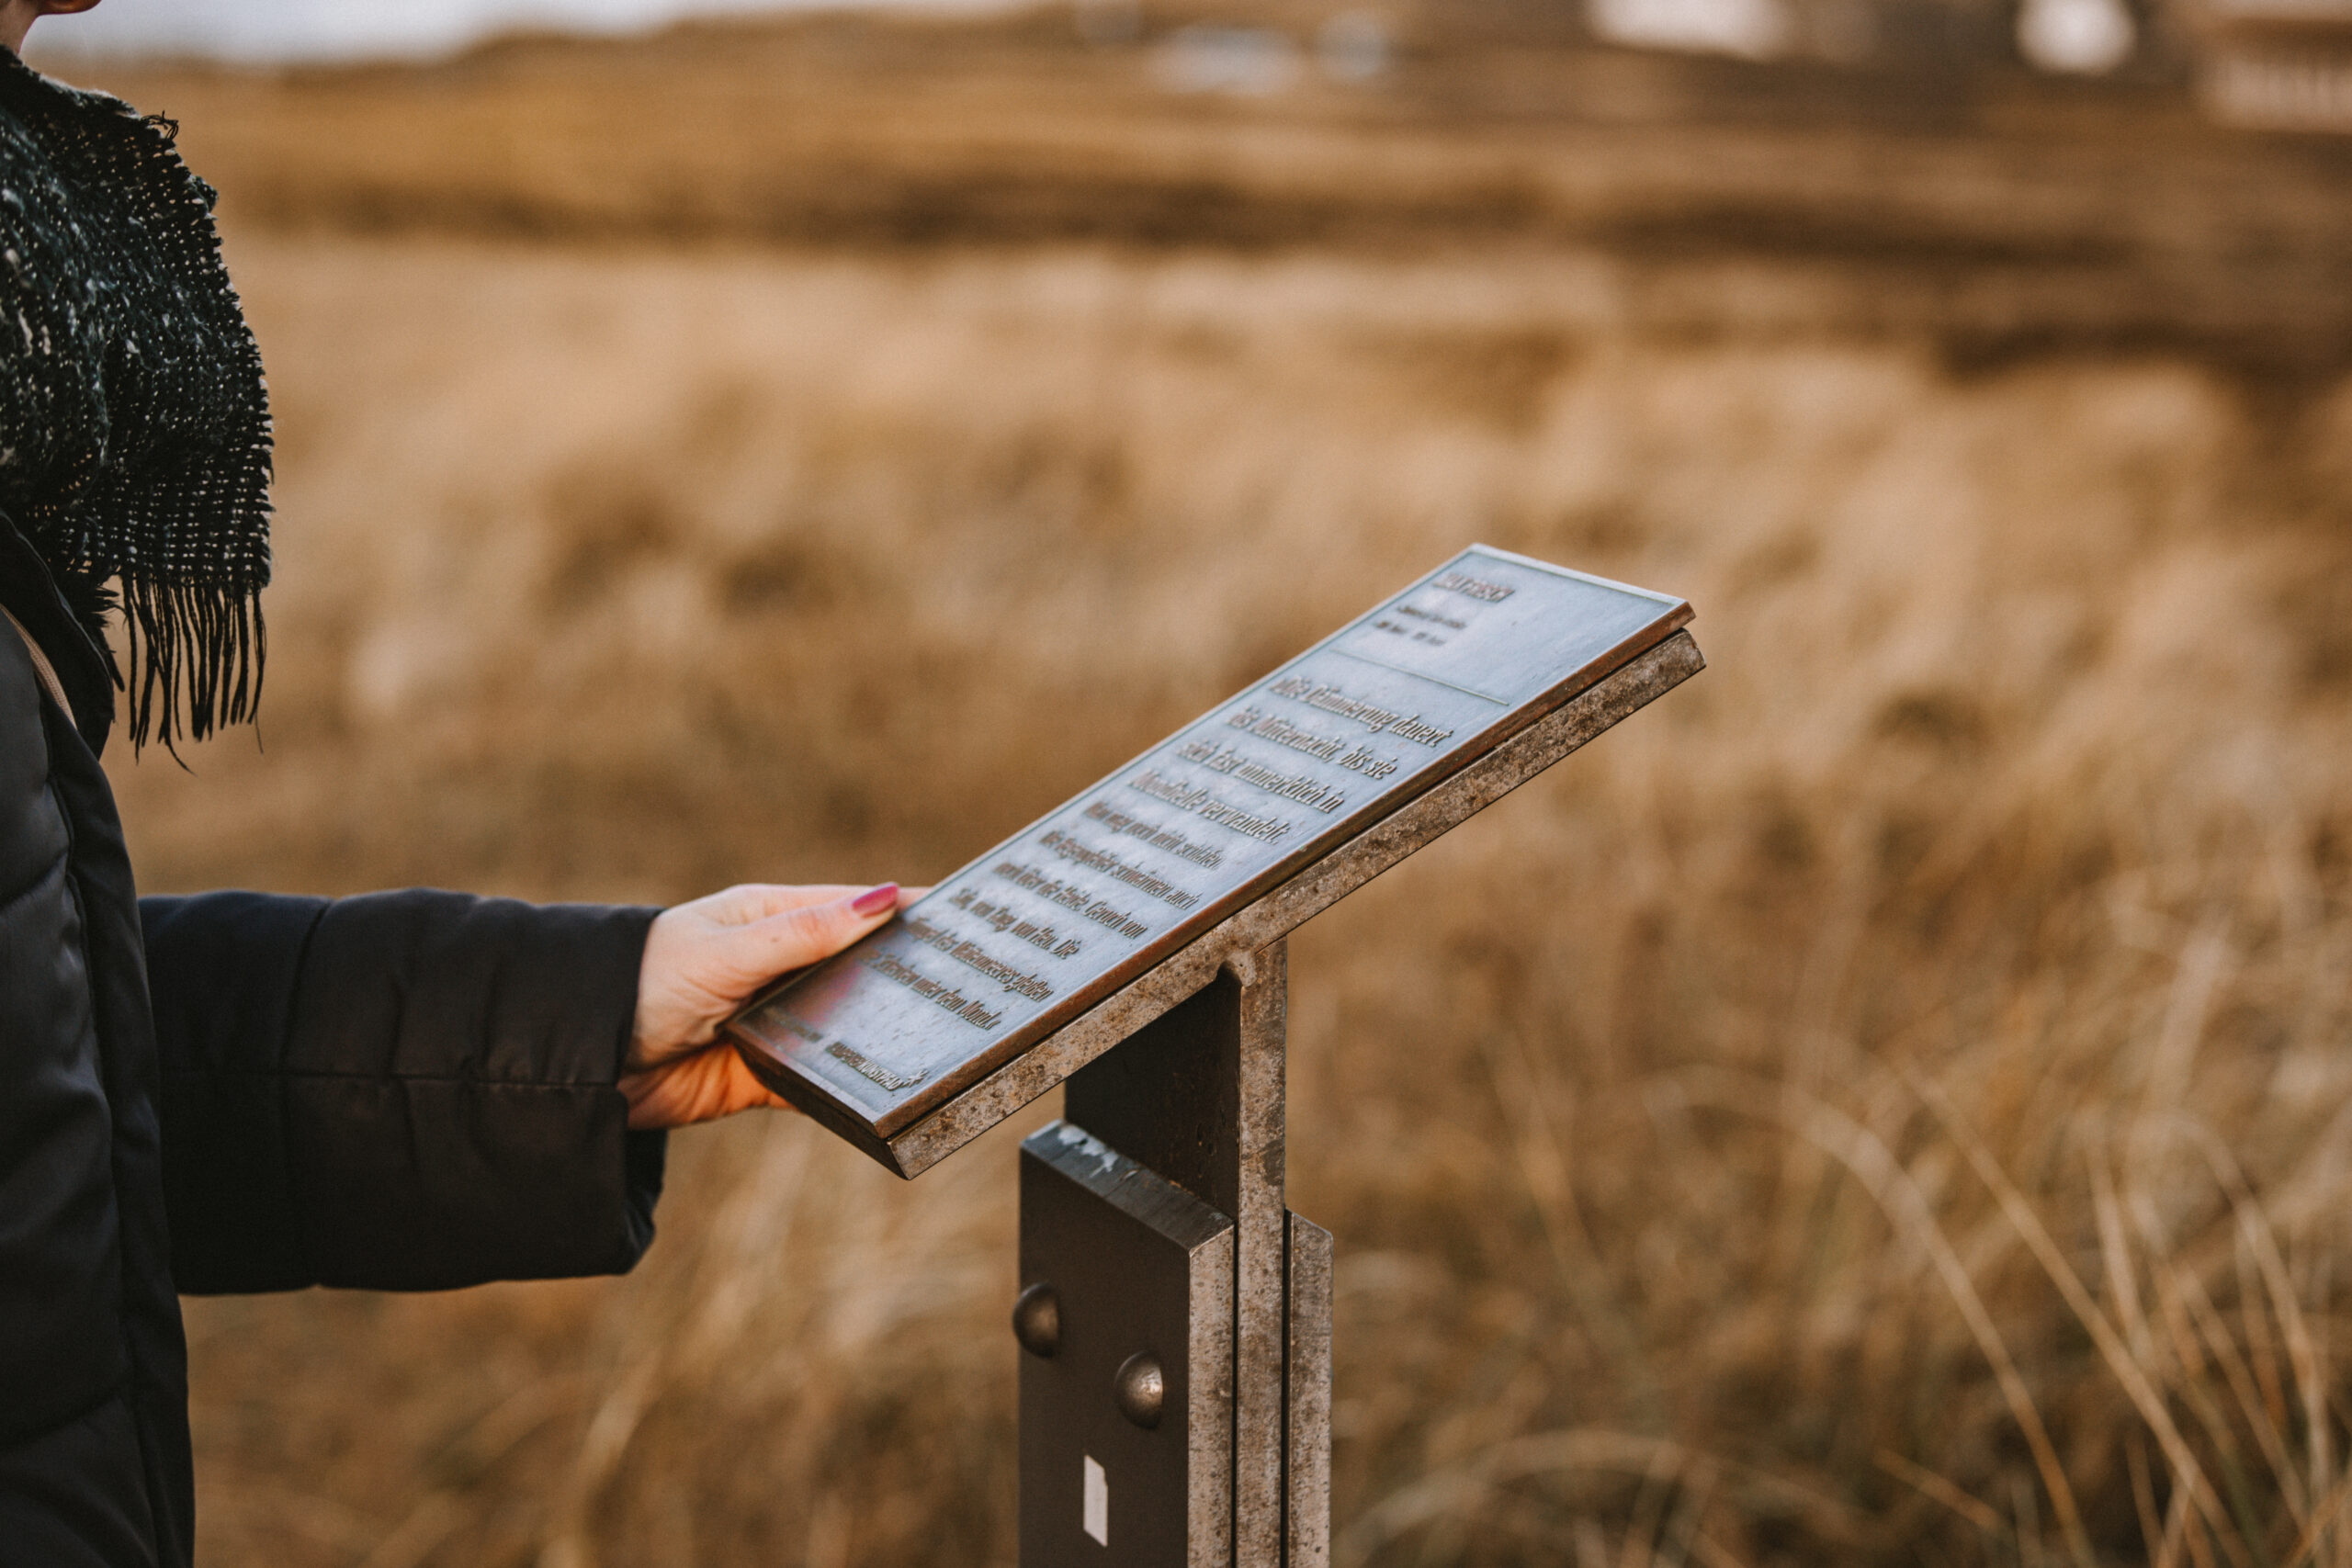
1030, 935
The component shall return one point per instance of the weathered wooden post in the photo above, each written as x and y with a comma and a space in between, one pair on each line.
1174, 1316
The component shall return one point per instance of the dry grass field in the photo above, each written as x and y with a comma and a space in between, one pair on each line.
1890, 1102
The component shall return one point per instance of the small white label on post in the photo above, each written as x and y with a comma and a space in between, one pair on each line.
1098, 1502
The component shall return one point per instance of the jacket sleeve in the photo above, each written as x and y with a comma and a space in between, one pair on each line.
404, 1091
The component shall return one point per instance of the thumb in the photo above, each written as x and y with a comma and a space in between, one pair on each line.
793, 939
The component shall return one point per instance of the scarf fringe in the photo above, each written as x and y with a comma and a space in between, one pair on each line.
195, 656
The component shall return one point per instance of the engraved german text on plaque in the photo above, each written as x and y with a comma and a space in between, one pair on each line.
1028, 936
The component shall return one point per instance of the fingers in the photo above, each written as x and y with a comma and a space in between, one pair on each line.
704, 959
748, 902
751, 901
796, 937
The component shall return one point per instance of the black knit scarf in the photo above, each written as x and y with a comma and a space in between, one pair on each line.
135, 432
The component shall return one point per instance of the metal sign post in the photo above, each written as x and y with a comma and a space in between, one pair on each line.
1165, 1423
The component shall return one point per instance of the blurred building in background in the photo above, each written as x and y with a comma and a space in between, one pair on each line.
2276, 64
2265, 65
2084, 35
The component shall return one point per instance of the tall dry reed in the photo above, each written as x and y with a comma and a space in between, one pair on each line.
1886, 1103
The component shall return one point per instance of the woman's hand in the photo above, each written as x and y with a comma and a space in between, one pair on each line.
703, 962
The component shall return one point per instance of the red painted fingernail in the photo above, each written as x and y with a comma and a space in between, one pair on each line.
874, 900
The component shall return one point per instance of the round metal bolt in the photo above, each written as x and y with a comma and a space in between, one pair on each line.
1139, 1389
1037, 1320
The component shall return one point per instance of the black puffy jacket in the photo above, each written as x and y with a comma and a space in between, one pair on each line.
234, 1092
237, 1091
